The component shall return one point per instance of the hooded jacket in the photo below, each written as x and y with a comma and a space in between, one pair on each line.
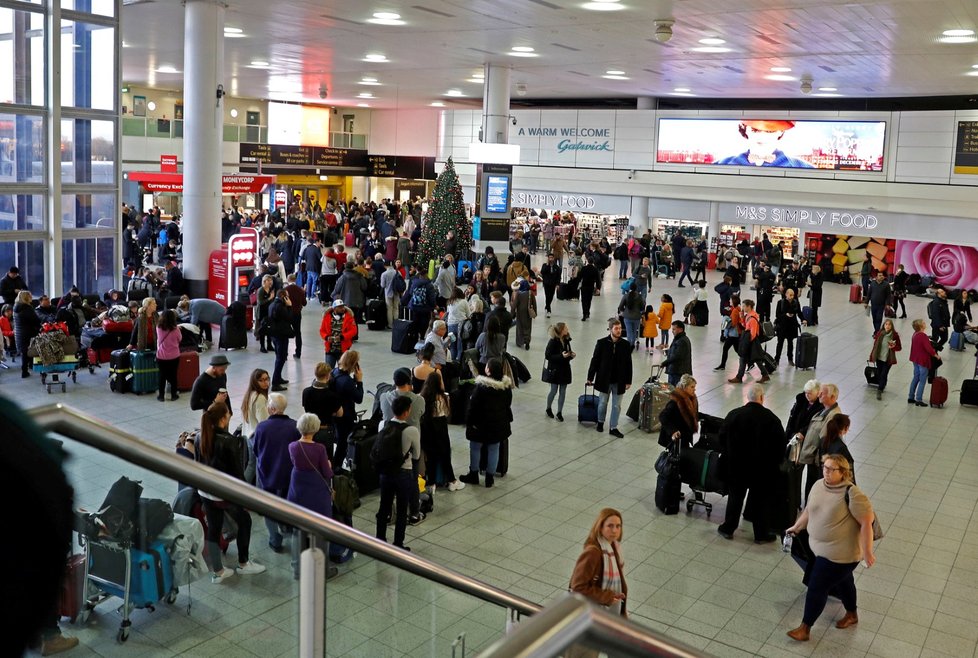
490, 410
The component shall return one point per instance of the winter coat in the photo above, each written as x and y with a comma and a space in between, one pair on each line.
351, 287
559, 366
611, 364
490, 410
26, 326
787, 318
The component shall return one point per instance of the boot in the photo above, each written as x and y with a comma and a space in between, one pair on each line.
801, 634
57, 644
470, 478
849, 619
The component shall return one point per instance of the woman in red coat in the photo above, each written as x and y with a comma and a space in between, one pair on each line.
337, 330
886, 343
921, 352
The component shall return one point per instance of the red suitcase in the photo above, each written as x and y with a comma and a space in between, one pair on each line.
938, 392
188, 368
350, 240
855, 293
73, 588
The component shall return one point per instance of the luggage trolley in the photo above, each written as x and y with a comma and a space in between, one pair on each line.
51, 375
698, 467
117, 568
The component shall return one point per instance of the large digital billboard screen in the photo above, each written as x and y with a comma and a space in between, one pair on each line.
795, 144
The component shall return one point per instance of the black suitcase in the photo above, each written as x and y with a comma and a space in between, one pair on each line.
234, 335
502, 465
767, 364
969, 392
120, 371
569, 289
700, 469
806, 351
667, 492
871, 375
459, 399
403, 337
359, 445
376, 315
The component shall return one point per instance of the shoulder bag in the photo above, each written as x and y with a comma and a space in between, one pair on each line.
877, 529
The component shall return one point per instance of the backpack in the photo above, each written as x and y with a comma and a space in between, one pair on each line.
153, 516
346, 494
419, 296
399, 285
386, 455
767, 331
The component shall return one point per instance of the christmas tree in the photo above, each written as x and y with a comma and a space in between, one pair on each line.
446, 212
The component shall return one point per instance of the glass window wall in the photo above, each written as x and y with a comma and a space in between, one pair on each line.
88, 264
85, 47
21, 57
88, 211
21, 212
87, 151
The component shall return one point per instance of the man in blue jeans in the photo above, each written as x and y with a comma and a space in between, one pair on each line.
610, 373
397, 480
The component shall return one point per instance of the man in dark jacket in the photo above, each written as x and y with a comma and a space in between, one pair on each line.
11, 284
610, 373
879, 296
765, 292
679, 357
686, 259
940, 318
175, 283
312, 256
752, 444
550, 273
420, 298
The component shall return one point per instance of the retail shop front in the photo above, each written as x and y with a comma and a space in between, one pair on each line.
165, 189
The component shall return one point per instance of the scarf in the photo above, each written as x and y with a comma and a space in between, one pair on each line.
610, 570
688, 407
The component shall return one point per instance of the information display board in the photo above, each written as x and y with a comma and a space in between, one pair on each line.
966, 148
302, 156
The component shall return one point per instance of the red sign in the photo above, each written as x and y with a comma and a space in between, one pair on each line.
168, 164
281, 199
173, 182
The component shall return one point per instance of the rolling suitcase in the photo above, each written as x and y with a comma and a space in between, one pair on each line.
871, 375
502, 464
938, 392
969, 392
188, 368
376, 315
700, 469
668, 489
587, 407
73, 588
120, 371
403, 337
806, 351
350, 240
855, 293
957, 341
234, 334
360, 443
767, 364
145, 372
150, 579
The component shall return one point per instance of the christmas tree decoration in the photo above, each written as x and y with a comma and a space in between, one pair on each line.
446, 212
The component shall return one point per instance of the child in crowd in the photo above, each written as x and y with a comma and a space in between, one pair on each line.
666, 309
650, 327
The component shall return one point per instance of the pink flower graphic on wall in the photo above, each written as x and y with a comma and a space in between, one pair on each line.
954, 266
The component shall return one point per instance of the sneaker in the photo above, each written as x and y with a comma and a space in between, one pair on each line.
548, 314
724, 534
59, 643
221, 577
250, 568
615, 433
417, 520
456, 485
600, 427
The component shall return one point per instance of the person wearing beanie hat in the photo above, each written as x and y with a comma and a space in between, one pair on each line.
211, 385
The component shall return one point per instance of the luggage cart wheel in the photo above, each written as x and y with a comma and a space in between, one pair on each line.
123, 633
689, 506
171, 597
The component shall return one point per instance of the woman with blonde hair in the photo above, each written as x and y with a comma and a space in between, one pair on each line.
144, 328
558, 370
680, 416
598, 574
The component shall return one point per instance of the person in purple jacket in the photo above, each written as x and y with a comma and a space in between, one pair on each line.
274, 465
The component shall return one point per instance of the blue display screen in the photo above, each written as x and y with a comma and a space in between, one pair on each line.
497, 194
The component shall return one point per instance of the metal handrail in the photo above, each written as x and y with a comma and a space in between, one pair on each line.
573, 619
69, 422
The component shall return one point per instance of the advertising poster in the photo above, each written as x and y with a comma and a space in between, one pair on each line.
831, 145
839, 253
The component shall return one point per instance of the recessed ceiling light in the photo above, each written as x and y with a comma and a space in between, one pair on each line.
480, 74
602, 5
780, 78
958, 36
477, 81
233, 35
365, 94
710, 49
974, 66
522, 49
681, 93
363, 104
234, 113
958, 33
958, 39
232, 30
437, 104
828, 95
454, 92
151, 106
166, 69
386, 18
614, 77
827, 89
712, 41
972, 73
519, 54
374, 57
370, 82
780, 69
614, 72
681, 90
126, 45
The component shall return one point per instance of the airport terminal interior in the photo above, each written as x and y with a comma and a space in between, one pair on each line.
630, 113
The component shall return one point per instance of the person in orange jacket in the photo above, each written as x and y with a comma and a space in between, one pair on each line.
337, 330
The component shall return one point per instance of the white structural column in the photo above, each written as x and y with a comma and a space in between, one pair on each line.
495, 105
713, 229
203, 65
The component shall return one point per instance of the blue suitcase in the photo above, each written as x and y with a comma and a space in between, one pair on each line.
587, 407
150, 577
145, 372
957, 341
461, 266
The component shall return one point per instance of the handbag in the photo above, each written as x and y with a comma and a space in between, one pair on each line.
667, 463
546, 375
877, 528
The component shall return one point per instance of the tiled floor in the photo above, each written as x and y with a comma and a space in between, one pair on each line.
920, 467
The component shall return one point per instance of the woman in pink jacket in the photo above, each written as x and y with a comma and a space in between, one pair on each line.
921, 352
168, 353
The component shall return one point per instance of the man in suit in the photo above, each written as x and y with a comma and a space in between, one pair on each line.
752, 445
